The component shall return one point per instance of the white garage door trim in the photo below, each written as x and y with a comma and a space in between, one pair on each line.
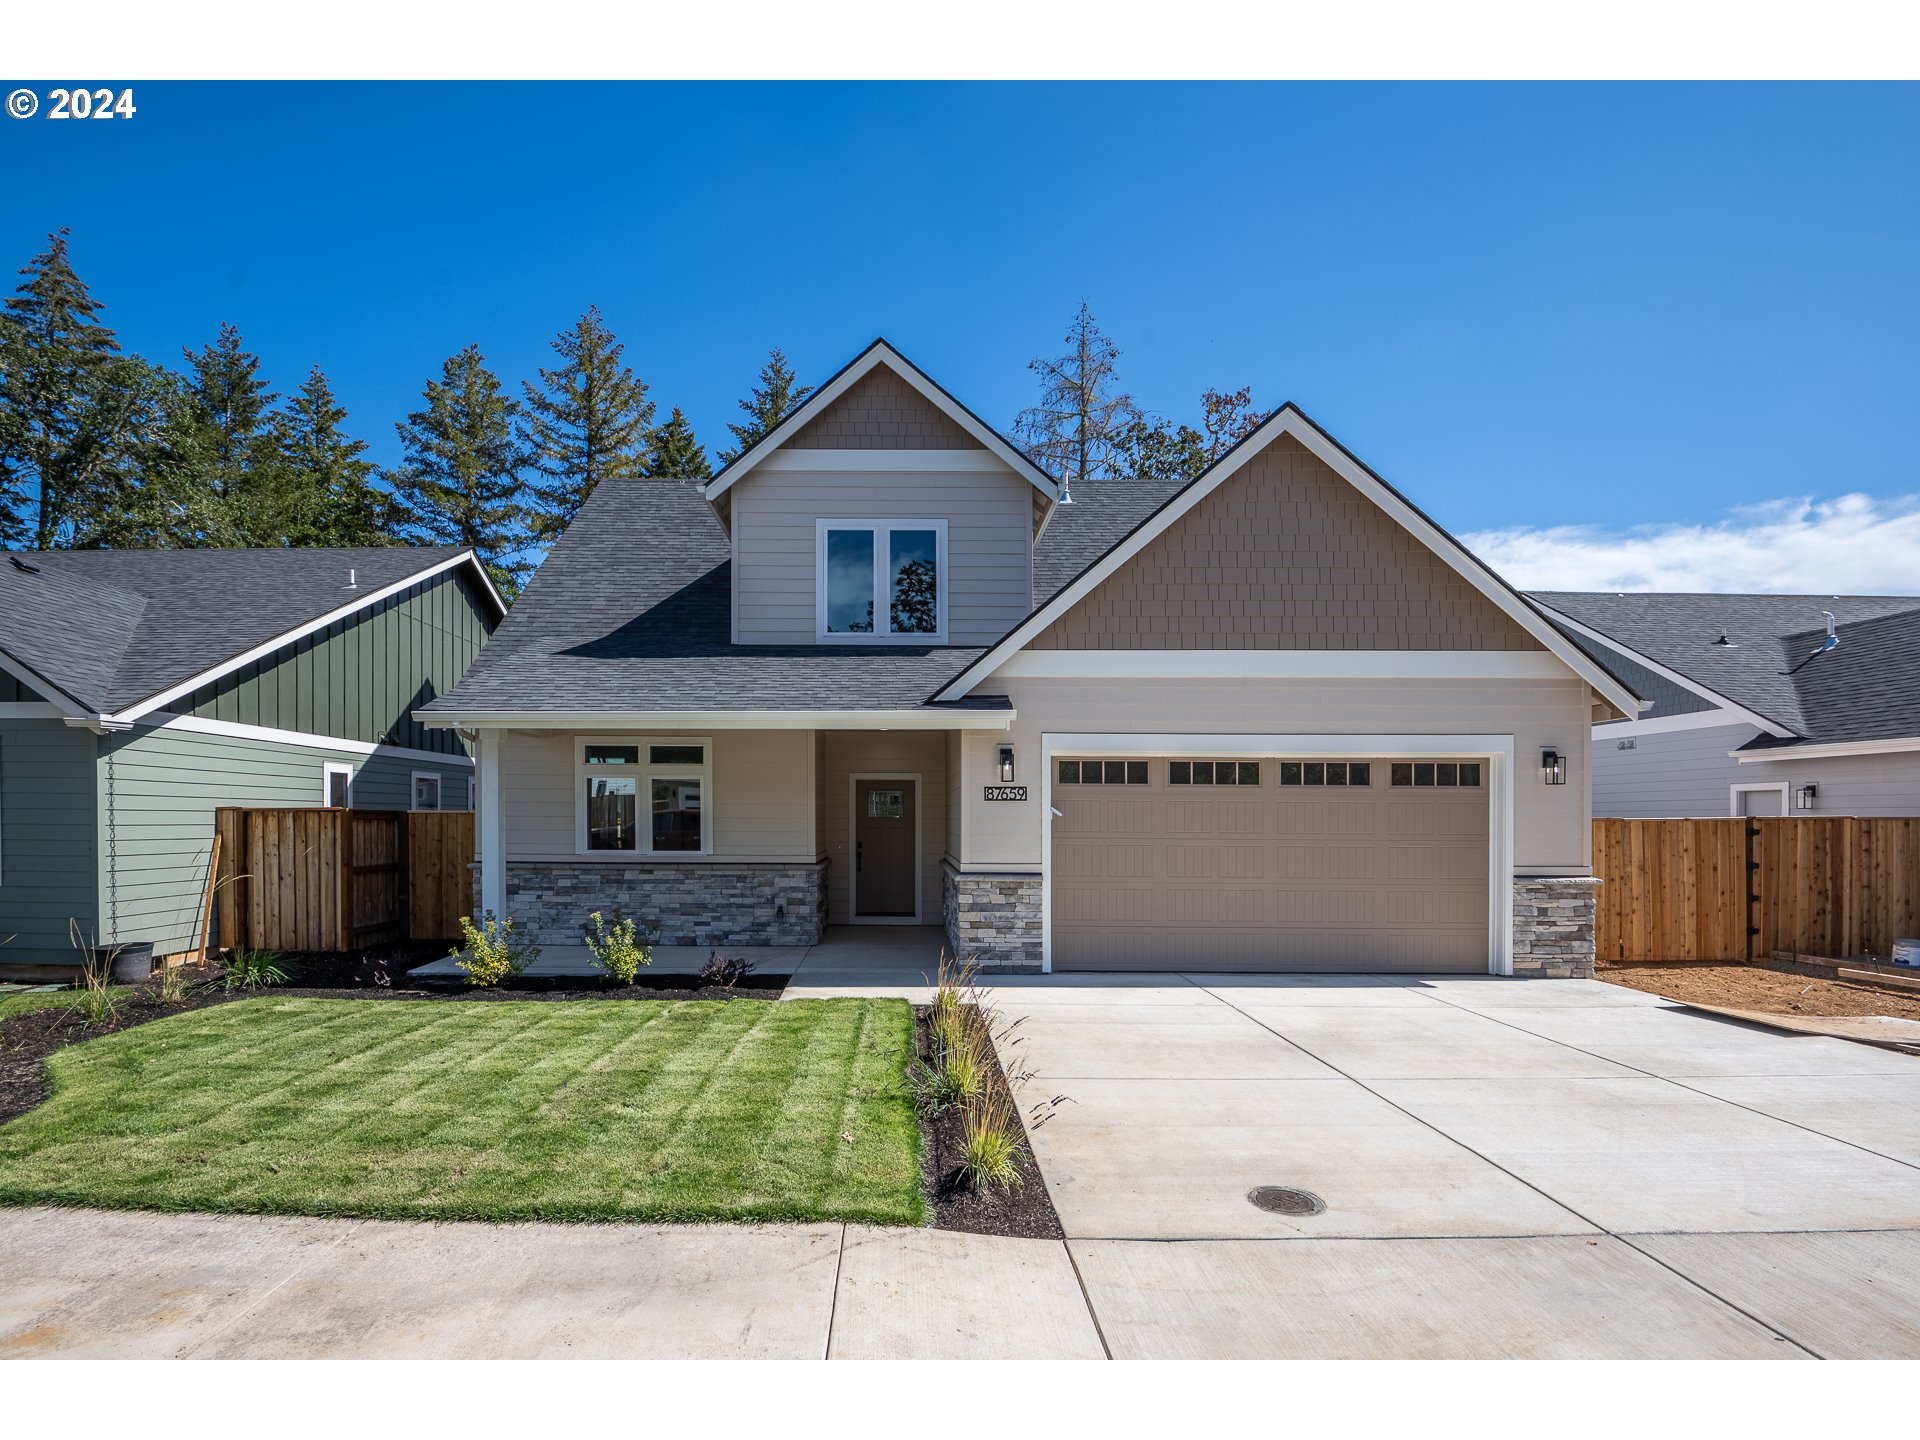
1495, 750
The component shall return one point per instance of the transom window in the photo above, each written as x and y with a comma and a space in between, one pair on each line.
1103, 772
882, 580
1421, 773
1213, 772
612, 777
1326, 772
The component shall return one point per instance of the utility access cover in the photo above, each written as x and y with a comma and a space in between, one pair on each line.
1284, 1200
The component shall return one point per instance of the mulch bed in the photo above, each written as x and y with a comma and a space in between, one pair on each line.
27, 1040
1025, 1210
1773, 987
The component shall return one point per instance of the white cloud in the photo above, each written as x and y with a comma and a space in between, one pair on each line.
1853, 545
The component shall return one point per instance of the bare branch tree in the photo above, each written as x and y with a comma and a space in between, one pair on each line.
1082, 415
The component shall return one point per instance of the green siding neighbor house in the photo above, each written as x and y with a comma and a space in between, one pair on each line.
142, 690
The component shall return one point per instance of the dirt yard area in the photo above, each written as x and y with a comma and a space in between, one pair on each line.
1776, 989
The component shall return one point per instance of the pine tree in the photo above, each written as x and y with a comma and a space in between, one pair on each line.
769, 402
1081, 417
345, 506
223, 441
676, 454
587, 422
460, 483
62, 419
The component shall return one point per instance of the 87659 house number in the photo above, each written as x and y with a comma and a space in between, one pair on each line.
1006, 792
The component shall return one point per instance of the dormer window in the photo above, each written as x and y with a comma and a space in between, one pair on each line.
881, 580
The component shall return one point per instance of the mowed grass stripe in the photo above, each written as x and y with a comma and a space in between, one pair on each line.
587, 1110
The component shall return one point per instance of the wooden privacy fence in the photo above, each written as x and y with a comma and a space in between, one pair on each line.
341, 879
1831, 887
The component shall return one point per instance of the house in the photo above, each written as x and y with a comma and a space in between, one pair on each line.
140, 689
1761, 704
881, 671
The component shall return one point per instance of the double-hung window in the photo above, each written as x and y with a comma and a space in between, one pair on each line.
643, 796
881, 580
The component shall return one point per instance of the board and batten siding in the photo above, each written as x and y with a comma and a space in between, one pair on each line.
761, 799
47, 841
362, 677
989, 515
1688, 774
1551, 830
159, 786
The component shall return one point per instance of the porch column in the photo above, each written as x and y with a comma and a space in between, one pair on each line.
490, 764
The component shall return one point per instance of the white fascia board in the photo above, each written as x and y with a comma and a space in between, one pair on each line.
162, 720
1666, 672
1283, 664
879, 353
58, 698
1828, 752
267, 647
723, 720
1289, 421
885, 462
1666, 724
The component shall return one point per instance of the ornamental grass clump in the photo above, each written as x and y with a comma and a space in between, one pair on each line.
253, 970
617, 948
990, 1142
490, 952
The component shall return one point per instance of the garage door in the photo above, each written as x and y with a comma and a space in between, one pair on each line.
1277, 863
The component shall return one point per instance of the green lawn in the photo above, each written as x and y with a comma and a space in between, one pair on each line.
575, 1110
25, 1002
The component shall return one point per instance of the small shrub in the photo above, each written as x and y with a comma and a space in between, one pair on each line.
725, 973
173, 984
617, 948
990, 1143
253, 970
490, 952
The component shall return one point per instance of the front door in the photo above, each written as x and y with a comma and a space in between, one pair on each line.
883, 849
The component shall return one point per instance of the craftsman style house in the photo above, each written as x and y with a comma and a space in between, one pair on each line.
882, 671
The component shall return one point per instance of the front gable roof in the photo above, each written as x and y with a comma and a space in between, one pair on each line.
876, 356
1289, 420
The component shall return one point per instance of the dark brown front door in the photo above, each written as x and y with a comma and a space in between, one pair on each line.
883, 848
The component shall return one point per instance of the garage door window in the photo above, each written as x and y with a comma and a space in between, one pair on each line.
1444, 773
1213, 772
1103, 772
1326, 772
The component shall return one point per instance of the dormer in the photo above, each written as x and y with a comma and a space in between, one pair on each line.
882, 511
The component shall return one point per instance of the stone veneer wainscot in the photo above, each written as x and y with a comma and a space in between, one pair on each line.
712, 903
1553, 920
993, 918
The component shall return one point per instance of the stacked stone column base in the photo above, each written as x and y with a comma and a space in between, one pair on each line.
1553, 925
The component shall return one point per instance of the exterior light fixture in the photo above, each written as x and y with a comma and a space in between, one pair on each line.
1553, 767
1006, 764
1805, 796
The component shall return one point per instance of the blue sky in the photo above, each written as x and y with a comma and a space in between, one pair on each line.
1531, 307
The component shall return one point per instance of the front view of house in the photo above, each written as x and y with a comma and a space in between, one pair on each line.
881, 670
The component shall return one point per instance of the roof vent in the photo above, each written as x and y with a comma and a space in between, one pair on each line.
1723, 643
25, 567
353, 580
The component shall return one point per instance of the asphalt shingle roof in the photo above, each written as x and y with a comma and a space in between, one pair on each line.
112, 627
632, 611
1103, 513
1866, 689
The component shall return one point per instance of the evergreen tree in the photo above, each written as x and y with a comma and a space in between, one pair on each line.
460, 483
588, 421
1082, 413
676, 455
222, 440
344, 505
770, 402
1159, 451
62, 419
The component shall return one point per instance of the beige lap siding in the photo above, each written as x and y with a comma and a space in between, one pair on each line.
1286, 555
850, 752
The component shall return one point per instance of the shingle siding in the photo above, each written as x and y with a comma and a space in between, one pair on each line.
881, 411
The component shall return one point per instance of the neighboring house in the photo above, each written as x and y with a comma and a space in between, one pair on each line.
1746, 718
879, 670
140, 689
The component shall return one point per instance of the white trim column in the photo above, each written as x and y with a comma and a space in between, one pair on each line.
491, 821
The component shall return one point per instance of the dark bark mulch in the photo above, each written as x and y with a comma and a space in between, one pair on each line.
1025, 1210
27, 1040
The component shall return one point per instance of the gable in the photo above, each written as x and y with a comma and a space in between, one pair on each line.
1285, 555
881, 411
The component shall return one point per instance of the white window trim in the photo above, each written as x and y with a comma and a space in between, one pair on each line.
439, 790
644, 774
1779, 787
881, 529
854, 917
328, 770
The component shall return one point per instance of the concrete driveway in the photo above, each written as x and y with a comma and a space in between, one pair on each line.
1509, 1168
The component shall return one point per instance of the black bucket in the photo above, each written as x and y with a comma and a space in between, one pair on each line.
131, 963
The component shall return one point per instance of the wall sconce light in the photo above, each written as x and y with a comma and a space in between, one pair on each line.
1553, 767
1806, 795
1006, 764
